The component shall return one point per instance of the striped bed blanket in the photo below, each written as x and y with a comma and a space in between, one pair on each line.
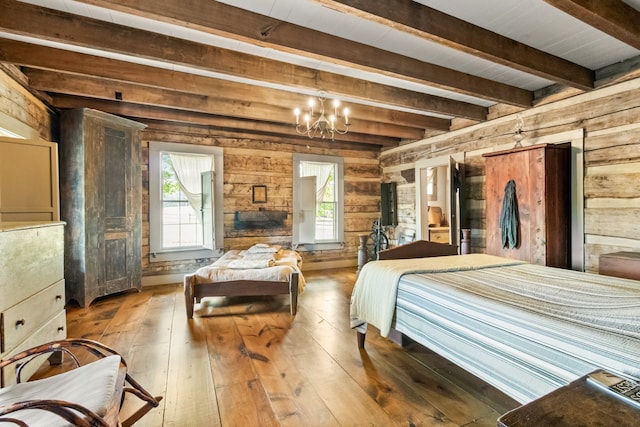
526, 329
374, 295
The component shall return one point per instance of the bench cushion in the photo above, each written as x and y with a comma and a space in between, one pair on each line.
92, 386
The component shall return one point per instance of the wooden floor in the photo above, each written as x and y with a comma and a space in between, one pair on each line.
249, 363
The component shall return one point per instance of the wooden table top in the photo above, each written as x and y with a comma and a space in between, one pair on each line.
588, 401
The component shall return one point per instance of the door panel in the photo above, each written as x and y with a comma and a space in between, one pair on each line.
118, 219
454, 205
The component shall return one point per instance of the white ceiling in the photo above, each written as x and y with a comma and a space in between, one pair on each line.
532, 22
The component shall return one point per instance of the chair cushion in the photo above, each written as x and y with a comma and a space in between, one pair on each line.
91, 386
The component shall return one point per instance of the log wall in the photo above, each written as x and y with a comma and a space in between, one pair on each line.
609, 117
610, 120
249, 162
23, 109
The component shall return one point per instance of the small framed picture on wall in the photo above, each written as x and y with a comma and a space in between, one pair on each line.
259, 194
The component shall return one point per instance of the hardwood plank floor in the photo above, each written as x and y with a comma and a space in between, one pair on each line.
247, 362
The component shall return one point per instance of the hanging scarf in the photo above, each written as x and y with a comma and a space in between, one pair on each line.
509, 216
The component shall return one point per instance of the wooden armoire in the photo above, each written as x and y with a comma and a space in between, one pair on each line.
101, 191
542, 176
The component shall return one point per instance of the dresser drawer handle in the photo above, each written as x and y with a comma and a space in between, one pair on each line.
60, 328
58, 297
20, 322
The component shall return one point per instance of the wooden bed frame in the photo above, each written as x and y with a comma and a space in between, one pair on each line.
417, 249
194, 292
524, 357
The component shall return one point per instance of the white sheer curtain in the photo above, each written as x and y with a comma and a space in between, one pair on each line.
188, 168
321, 171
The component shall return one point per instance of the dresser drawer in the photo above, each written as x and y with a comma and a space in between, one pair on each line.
439, 235
32, 258
54, 330
22, 319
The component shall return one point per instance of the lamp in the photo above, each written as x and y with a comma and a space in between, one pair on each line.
518, 134
321, 125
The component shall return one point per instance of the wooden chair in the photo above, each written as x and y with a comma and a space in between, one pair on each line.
88, 395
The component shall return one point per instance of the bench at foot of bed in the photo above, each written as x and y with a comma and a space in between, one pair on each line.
194, 292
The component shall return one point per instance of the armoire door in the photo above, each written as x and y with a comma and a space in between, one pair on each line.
119, 227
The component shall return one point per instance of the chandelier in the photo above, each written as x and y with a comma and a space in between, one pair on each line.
316, 123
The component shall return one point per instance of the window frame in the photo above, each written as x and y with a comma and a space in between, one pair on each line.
339, 186
156, 252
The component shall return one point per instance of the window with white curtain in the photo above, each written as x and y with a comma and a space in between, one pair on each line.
318, 201
185, 201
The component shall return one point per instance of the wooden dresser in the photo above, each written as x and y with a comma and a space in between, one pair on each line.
32, 288
620, 264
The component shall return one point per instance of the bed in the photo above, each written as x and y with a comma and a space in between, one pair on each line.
526, 329
260, 270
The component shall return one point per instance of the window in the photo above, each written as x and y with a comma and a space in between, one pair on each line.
185, 187
318, 202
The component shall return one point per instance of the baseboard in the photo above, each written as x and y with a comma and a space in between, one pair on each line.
165, 279
311, 266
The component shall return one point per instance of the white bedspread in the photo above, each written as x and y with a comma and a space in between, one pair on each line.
242, 265
374, 295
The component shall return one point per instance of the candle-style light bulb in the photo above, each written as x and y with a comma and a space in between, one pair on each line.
296, 111
345, 112
311, 103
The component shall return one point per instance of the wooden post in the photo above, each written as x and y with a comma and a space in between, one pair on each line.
362, 252
293, 292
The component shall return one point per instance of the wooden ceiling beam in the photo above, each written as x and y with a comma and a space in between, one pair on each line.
613, 17
192, 129
220, 19
431, 24
61, 60
238, 126
33, 21
96, 87
275, 103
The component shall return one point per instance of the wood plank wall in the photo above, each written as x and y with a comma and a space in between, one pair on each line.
18, 104
249, 162
610, 118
